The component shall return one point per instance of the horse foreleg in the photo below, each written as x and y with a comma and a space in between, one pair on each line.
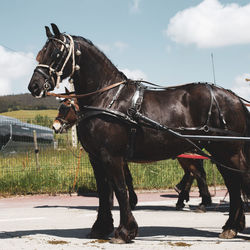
129, 181
187, 181
128, 227
103, 225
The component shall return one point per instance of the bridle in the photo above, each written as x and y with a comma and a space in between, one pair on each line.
63, 111
69, 49
60, 59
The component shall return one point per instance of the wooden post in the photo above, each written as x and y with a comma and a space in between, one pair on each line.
36, 150
73, 129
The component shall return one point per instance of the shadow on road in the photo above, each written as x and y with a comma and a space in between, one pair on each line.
144, 232
213, 208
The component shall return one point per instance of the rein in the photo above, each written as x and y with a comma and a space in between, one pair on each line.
69, 96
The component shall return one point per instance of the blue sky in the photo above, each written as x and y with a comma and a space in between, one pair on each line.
164, 41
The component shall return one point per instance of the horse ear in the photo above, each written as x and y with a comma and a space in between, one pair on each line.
48, 32
66, 91
55, 30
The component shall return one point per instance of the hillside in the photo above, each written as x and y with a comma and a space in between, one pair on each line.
26, 102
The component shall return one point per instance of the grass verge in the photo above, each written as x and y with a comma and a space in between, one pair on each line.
68, 170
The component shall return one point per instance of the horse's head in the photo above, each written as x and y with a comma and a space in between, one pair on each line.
56, 62
66, 117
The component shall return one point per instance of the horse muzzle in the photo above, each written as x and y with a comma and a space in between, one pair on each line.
57, 127
35, 89
40, 83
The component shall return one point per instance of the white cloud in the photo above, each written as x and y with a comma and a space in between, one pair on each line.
134, 6
116, 46
242, 87
104, 47
121, 46
211, 24
5, 86
134, 74
168, 49
16, 69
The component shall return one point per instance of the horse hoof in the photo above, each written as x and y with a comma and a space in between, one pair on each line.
201, 209
179, 206
228, 234
117, 241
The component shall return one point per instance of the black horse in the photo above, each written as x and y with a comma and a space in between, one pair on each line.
120, 124
67, 118
193, 168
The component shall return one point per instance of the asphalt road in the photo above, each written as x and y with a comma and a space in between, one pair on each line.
62, 222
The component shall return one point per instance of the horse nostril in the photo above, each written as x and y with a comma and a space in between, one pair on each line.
34, 88
56, 131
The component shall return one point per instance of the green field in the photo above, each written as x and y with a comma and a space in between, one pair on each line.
25, 115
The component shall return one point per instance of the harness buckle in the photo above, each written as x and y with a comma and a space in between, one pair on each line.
46, 85
205, 128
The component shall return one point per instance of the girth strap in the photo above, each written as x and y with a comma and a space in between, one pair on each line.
90, 111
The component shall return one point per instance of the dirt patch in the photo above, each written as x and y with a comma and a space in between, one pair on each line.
98, 241
179, 244
57, 242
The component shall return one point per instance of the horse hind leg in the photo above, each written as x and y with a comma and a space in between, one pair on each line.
201, 179
128, 227
233, 179
245, 186
236, 220
129, 182
193, 168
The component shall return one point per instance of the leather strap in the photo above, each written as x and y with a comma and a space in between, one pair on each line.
87, 94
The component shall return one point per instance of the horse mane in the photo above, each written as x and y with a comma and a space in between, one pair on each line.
100, 54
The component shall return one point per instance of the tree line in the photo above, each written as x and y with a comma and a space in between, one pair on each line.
27, 102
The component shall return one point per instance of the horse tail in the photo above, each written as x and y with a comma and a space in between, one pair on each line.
246, 175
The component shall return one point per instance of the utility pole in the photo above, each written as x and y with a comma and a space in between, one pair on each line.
212, 58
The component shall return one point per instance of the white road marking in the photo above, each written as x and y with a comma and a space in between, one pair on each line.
22, 219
